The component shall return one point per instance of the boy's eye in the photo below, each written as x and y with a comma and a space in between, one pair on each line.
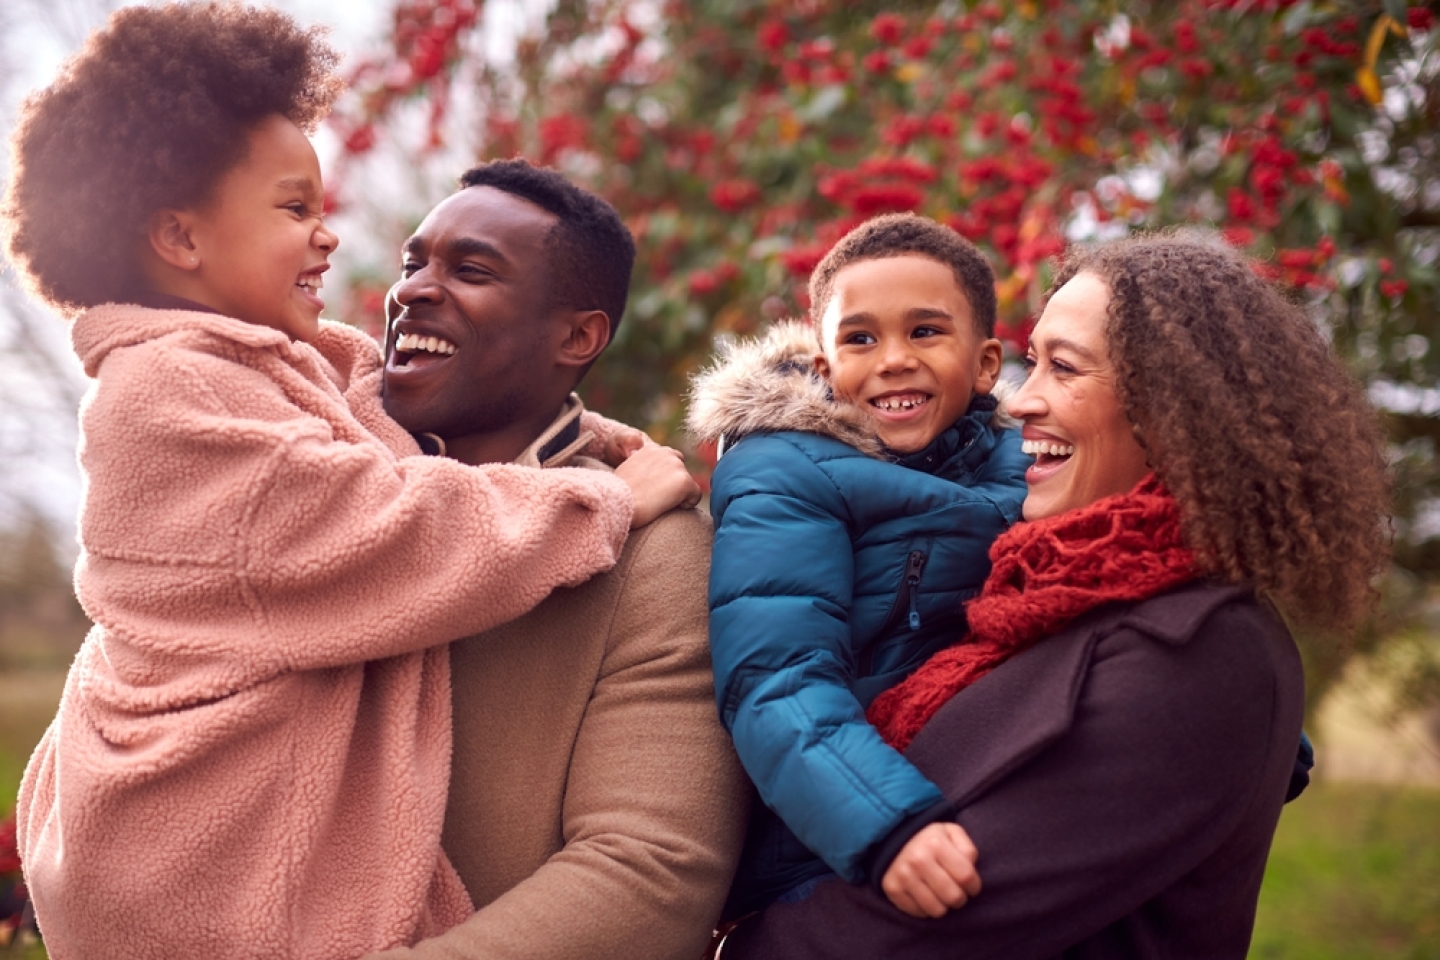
859, 339
296, 208
919, 333
409, 267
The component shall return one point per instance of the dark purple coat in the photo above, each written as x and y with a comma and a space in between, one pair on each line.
1122, 780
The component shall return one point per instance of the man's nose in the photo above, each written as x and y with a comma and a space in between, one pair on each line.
419, 287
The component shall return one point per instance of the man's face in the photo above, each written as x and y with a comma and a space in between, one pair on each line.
474, 346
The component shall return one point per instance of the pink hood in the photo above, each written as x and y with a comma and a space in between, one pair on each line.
252, 753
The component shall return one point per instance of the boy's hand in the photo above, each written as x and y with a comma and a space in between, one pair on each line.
659, 481
934, 872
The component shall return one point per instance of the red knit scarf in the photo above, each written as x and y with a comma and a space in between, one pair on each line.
1044, 575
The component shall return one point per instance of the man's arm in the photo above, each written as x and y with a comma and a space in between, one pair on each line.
655, 804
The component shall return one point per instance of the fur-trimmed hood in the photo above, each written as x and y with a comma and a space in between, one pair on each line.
769, 383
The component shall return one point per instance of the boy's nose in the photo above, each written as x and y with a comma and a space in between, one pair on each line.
896, 356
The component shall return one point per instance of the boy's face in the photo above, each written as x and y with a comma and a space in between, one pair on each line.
900, 340
259, 240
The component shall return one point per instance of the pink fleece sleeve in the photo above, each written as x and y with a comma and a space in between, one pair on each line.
242, 517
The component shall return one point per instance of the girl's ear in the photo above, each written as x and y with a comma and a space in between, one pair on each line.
169, 233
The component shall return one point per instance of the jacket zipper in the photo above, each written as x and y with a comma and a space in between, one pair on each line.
907, 600
914, 566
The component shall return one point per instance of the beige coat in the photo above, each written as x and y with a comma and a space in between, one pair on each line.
596, 806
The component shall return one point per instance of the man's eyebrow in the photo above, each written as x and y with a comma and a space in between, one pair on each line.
456, 249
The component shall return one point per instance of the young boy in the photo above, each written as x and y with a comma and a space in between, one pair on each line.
859, 490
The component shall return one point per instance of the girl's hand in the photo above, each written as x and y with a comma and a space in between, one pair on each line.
934, 872
659, 481
622, 444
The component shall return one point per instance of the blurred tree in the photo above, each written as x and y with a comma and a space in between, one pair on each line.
740, 138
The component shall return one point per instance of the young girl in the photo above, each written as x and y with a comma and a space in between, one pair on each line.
252, 751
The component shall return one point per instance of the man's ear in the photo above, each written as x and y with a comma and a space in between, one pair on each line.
169, 233
989, 354
588, 334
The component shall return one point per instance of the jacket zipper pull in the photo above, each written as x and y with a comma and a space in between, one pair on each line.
914, 566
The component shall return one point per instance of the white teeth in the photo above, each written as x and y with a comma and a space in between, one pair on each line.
891, 403
1036, 448
311, 283
413, 343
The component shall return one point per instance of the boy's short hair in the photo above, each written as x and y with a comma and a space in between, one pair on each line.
150, 114
898, 234
591, 251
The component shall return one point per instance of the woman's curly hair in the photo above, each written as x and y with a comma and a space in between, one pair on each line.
150, 114
1266, 442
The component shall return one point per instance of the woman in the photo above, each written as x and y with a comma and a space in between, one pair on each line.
1201, 460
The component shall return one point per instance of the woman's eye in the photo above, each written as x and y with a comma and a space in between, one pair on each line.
1028, 362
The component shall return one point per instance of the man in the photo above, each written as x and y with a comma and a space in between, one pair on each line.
596, 807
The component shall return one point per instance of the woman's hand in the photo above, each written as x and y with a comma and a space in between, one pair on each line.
934, 872
659, 481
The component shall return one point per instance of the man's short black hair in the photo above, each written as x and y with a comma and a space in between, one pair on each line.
591, 250
898, 234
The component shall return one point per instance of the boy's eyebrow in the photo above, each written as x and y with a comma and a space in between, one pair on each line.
914, 313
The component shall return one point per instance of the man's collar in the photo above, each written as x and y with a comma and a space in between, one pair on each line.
558, 444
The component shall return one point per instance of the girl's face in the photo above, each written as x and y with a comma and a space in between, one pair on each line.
259, 243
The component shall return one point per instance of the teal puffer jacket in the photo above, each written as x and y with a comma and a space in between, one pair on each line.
836, 572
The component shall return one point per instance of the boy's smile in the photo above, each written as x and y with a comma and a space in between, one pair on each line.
900, 339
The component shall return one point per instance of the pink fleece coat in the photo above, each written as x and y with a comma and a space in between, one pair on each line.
252, 752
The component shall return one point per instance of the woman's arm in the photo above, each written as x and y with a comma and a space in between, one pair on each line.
1151, 774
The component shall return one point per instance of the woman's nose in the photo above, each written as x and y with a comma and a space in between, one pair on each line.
1025, 401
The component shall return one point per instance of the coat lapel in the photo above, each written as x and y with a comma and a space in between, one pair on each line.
992, 727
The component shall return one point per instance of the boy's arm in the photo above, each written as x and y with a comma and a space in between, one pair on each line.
780, 595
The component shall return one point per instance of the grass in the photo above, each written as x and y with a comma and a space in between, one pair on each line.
1354, 873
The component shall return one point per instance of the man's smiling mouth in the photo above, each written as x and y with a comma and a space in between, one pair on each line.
413, 347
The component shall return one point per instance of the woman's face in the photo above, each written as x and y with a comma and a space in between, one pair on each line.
1083, 445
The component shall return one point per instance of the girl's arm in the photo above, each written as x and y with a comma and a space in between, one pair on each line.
780, 596
232, 517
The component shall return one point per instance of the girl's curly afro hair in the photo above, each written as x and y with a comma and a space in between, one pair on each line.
1248, 417
150, 114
